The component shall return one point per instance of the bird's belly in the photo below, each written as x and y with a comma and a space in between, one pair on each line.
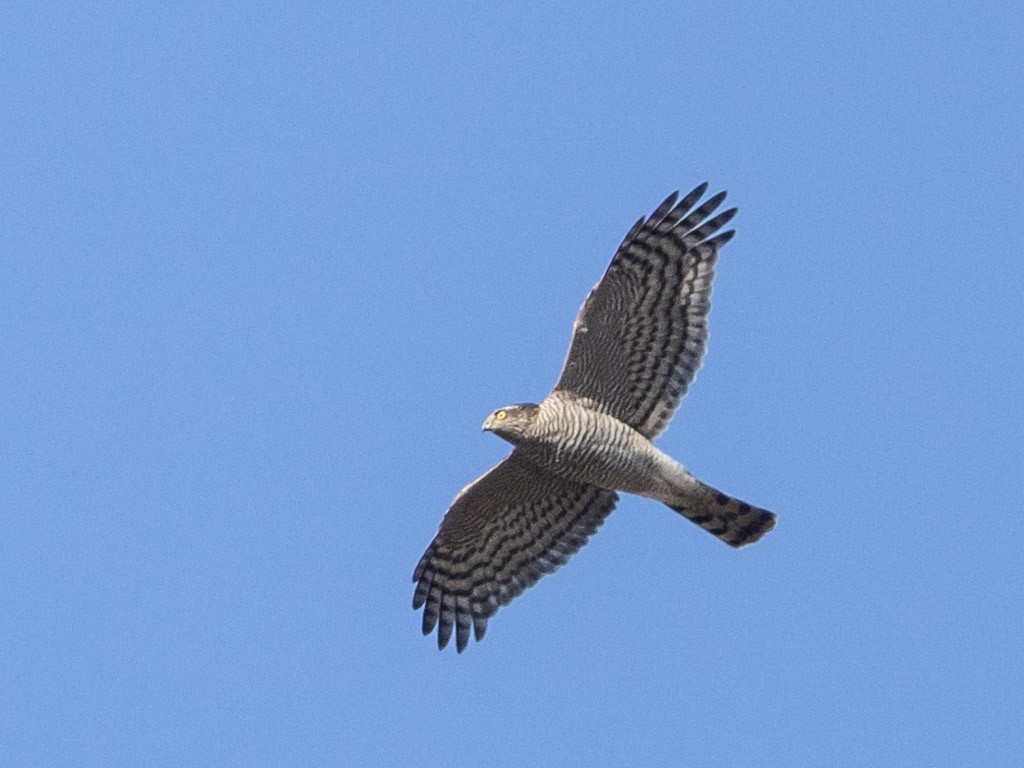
600, 450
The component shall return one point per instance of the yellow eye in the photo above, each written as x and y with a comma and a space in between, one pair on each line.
500, 415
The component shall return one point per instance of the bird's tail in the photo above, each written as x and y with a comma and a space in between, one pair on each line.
733, 521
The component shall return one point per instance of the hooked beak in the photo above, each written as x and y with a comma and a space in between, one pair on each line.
488, 423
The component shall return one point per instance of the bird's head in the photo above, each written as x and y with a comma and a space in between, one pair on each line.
512, 421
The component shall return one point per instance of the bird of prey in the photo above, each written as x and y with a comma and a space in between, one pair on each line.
636, 345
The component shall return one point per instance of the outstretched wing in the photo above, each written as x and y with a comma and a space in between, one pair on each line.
500, 535
639, 337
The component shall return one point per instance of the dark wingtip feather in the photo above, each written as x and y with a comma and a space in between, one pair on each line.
713, 202
721, 239
663, 210
429, 620
684, 205
444, 634
709, 227
694, 195
463, 620
632, 232
420, 595
725, 217
479, 628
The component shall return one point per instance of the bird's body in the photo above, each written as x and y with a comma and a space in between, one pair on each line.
637, 343
570, 437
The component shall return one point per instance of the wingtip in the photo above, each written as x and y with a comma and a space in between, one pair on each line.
724, 237
666, 205
691, 198
715, 200
444, 635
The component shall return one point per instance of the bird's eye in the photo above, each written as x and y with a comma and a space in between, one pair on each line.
500, 415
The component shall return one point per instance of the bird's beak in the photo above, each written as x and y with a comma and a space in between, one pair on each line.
487, 424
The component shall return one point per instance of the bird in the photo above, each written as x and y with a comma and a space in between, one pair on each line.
636, 345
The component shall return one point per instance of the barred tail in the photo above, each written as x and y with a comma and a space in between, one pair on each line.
733, 521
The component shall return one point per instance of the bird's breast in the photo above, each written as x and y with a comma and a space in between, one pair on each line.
579, 442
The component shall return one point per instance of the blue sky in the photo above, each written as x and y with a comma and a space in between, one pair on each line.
264, 270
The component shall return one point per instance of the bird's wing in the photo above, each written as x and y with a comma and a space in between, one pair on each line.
501, 534
639, 337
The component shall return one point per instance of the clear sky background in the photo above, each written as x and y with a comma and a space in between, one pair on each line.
264, 270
